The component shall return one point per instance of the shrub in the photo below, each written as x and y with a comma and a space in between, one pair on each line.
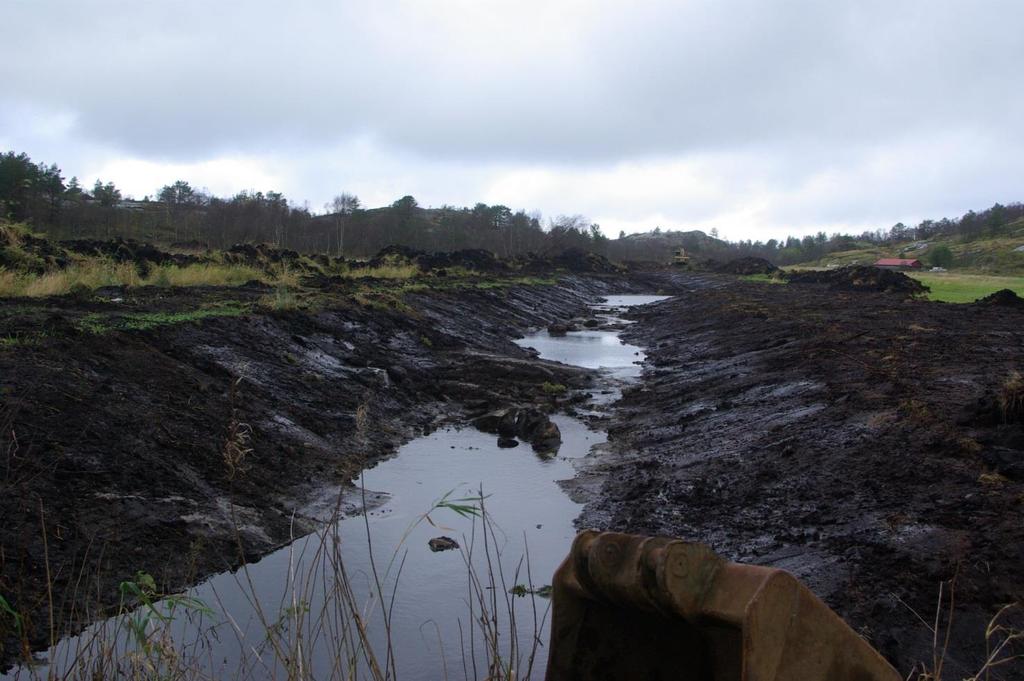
552, 388
941, 256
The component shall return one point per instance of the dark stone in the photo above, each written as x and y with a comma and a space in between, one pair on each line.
507, 442
442, 544
488, 423
529, 422
507, 424
547, 439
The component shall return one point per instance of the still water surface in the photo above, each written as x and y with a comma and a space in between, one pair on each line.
431, 623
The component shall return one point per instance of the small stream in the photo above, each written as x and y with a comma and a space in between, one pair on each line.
433, 626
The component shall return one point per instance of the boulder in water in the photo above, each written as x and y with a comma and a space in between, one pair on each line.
442, 544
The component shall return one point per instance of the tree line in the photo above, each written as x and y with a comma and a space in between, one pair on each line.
990, 223
39, 194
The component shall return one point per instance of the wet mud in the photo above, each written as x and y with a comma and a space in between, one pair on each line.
118, 412
853, 438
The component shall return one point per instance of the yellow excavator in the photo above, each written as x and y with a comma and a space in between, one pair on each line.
679, 257
633, 607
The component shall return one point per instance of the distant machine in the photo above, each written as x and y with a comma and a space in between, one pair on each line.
679, 257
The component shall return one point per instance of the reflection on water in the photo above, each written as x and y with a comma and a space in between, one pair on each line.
594, 349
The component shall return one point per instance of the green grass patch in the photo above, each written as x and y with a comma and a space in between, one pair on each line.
384, 272
763, 279
11, 342
91, 273
283, 298
142, 321
210, 275
512, 281
955, 287
549, 388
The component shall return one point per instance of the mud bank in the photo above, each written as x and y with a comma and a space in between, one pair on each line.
117, 416
852, 438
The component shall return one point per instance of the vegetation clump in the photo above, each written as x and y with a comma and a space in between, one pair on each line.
1011, 398
549, 388
941, 256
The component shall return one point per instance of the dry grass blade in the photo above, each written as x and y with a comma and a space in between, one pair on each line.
1011, 398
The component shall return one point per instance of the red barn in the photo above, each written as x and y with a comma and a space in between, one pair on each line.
899, 264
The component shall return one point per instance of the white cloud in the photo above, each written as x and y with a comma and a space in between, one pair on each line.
757, 118
221, 176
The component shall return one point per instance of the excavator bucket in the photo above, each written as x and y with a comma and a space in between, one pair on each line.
634, 607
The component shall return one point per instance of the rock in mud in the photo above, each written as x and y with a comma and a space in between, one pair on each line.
488, 423
530, 421
547, 439
508, 423
539, 430
442, 544
397, 374
560, 329
529, 424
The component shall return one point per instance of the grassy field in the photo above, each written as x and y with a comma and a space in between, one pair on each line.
953, 287
949, 287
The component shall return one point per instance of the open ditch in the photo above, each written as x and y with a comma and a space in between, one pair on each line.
852, 437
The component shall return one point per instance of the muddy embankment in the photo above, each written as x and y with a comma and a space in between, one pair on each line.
853, 438
117, 415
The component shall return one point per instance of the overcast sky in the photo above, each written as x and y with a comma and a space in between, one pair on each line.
758, 117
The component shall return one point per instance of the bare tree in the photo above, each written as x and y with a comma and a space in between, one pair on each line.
342, 206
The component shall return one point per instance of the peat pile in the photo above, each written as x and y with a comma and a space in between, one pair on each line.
473, 259
576, 260
747, 266
23, 252
28, 253
35, 255
860, 278
484, 261
142, 255
1002, 298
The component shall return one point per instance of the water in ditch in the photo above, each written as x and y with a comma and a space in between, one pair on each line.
433, 602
